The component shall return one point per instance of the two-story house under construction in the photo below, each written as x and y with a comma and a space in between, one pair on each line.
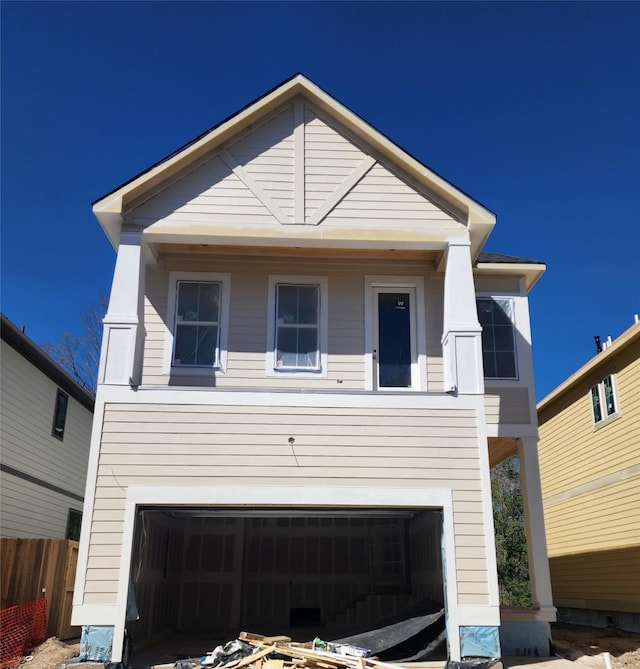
308, 365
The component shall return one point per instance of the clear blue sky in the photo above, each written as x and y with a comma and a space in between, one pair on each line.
533, 109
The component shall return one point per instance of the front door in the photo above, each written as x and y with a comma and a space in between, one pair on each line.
394, 354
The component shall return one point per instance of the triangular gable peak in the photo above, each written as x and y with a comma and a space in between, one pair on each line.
296, 157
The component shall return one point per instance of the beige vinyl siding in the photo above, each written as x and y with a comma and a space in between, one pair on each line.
380, 200
573, 450
506, 405
248, 319
210, 194
329, 158
203, 445
27, 404
256, 179
267, 155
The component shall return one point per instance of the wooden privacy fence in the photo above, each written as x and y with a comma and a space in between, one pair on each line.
30, 565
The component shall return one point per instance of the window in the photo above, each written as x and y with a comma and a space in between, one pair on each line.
603, 401
74, 521
197, 327
498, 337
297, 325
198, 311
60, 415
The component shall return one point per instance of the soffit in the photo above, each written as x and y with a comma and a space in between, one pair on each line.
208, 250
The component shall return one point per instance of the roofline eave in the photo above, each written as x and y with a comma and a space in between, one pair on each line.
480, 220
629, 336
530, 271
111, 221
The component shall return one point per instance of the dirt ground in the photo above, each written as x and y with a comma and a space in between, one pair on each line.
50, 655
586, 646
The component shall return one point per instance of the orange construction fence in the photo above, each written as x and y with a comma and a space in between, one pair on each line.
22, 628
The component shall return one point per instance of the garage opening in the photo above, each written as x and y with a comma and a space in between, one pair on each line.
210, 573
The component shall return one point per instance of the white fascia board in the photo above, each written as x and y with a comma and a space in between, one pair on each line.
530, 271
479, 219
111, 222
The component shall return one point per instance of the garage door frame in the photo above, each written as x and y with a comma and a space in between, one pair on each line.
265, 497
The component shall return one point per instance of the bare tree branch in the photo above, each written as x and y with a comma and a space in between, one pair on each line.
80, 355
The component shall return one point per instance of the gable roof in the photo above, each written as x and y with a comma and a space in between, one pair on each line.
39, 359
111, 208
631, 336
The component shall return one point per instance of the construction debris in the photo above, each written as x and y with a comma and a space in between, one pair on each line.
256, 651
409, 635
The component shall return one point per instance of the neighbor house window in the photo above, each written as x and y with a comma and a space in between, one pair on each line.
198, 313
498, 337
603, 401
297, 337
74, 520
60, 415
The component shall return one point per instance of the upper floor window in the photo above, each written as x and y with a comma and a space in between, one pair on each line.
198, 312
603, 401
197, 333
297, 325
60, 415
498, 337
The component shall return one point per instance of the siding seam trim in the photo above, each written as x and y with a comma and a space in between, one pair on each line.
43, 484
592, 486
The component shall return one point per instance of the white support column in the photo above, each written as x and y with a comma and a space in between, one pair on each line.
539, 575
461, 338
121, 354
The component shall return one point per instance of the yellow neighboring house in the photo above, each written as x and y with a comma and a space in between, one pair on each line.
590, 469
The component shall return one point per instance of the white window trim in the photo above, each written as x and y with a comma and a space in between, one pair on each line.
225, 281
323, 283
601, 392
514, 319
419, 364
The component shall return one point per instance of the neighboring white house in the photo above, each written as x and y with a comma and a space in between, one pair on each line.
45, 430
308, 365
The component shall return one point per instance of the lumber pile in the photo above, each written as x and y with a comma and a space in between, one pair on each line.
256, 651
